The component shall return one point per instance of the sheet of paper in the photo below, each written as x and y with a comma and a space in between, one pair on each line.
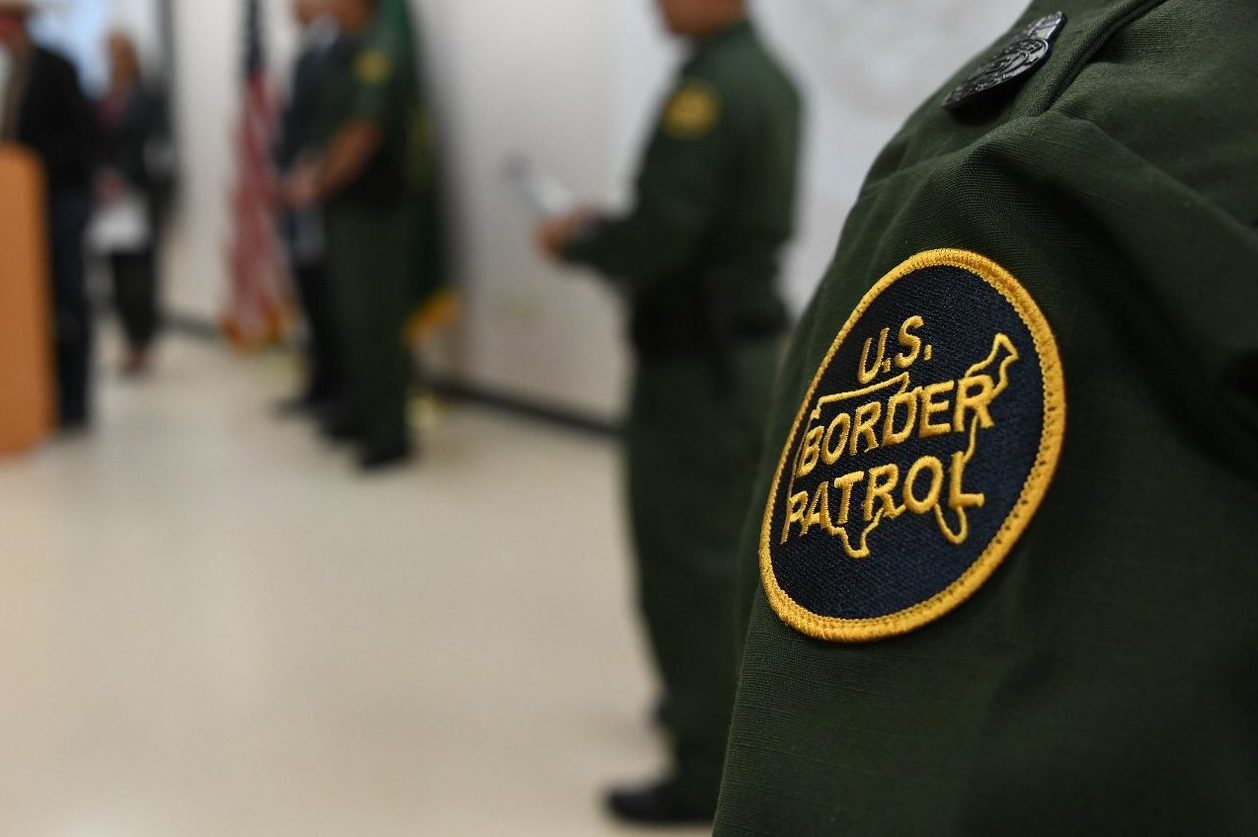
121, 226
542, 193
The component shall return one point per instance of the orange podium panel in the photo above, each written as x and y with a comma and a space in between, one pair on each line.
26, 384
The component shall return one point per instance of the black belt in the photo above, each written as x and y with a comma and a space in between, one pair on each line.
666, 337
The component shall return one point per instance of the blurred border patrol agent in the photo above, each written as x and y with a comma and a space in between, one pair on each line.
1007, 543
697, 260
376, 163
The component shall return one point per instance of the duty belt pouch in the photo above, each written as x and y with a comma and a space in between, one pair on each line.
705, 326
717, 332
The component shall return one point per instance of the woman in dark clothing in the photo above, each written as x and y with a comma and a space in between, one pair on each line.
131, 191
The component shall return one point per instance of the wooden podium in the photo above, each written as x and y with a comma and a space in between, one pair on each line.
26, 384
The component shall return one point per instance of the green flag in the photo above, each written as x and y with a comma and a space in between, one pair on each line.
394, 34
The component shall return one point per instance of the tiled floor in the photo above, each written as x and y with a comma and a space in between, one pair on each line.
210, 627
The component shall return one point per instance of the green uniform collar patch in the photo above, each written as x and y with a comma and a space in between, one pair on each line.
921, 452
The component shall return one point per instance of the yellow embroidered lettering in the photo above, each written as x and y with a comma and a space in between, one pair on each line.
818, 511
931, 408
798, 505
867, 416
831, 450
975, 394
924, 505
810, 452
882, 482
845, 484
958, 499
910, 341
907, 400
867, 371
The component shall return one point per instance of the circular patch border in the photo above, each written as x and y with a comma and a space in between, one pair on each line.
699, 96
837, 629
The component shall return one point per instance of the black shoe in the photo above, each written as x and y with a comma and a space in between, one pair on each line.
660, 803
72, 426
299, 407
662, 716
374, 461
339, 428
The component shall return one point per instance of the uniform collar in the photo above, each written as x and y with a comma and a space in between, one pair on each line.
320, 34
733, 31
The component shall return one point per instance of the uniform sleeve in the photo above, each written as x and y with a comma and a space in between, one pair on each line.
298, 114
377, 84
678, 195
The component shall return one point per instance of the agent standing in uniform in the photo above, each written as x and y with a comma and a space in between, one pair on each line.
697, 261
304, 230
43, 108
373, 167
1006, 538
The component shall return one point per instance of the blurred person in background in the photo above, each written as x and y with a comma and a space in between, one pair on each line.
132, 191
42, 107
304, 228
697, 259
374, 163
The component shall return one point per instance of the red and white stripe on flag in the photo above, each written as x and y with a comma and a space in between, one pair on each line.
260, 300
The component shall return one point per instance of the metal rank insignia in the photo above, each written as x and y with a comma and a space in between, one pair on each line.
1021, 57
919, 455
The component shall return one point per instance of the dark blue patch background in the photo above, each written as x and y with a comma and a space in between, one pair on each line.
911, 561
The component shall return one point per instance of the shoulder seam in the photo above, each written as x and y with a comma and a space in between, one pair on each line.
1138, 9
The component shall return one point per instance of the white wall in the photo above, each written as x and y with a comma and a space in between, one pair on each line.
529, 78
863, 66
573, 84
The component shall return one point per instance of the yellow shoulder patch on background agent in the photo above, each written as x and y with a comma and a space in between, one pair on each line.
373, 67
693, 111
920, 453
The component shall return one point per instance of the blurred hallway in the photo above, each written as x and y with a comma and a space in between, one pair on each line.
210, 626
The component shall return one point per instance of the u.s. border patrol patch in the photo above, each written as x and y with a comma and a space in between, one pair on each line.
693, 111
921, 452
374, 67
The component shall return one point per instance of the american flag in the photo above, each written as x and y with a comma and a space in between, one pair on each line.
260, 299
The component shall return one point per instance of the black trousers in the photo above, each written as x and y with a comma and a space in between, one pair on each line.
72, 318
135, 295
325, 378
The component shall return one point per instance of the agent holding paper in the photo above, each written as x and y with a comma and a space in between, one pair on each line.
697, 259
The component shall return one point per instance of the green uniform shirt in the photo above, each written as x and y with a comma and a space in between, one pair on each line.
715, 197
373, 79
1026, 602
376, 78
